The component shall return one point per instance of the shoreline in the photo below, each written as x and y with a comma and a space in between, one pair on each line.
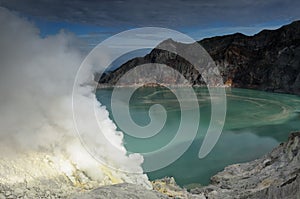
274, 175
196, 86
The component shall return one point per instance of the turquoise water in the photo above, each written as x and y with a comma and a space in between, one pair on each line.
256, 122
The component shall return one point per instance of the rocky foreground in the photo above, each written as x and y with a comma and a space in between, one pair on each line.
276, 175
53, 174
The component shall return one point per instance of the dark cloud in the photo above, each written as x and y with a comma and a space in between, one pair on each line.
175, 13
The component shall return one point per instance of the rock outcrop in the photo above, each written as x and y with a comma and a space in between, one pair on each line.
276, 175
269, 60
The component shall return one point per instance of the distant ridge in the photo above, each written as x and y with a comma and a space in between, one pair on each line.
268, 60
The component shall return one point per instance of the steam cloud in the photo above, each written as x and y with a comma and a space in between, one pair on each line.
36, 80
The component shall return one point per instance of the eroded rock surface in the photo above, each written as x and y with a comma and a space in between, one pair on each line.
124, 191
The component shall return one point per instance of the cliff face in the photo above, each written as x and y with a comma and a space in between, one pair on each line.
269, 60
160, 57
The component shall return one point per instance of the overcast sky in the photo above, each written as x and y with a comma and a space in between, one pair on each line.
197, 18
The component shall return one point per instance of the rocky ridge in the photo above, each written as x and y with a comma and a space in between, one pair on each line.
269, 60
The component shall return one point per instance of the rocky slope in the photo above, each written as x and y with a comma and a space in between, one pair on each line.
269, 60
124, 191
274, 176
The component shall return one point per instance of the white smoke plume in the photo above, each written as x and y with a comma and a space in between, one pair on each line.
36, 80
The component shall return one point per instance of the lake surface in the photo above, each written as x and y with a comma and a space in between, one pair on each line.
256, 122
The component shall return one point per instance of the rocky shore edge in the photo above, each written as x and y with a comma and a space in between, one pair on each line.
275, 175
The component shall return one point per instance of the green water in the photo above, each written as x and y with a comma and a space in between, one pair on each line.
256, 122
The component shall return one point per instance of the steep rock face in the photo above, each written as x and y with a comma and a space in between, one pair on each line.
269, 60
157, 56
